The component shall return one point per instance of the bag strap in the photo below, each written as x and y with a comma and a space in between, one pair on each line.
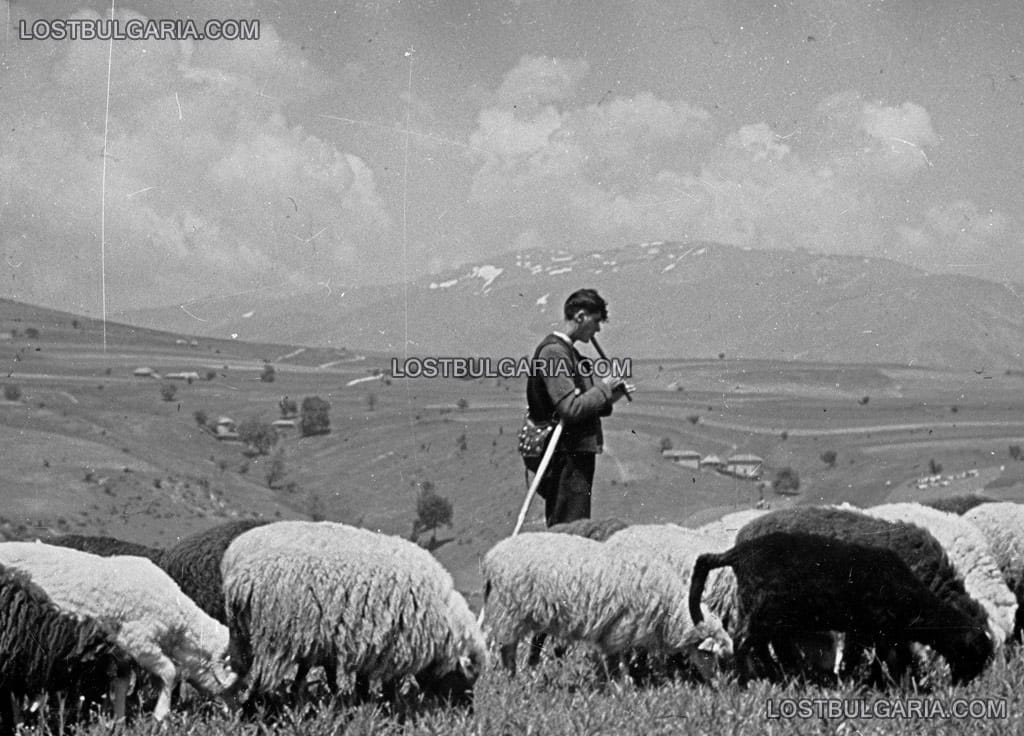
532, 382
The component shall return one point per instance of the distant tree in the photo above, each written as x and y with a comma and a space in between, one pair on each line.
269, 374
276, 471
168, 391
462, 404
829, 458
200, 416
432, 511
12, 392
933, 467
1015, 452
258, 436
665, 444
784, 435
693, 418
76, 324
288, 407
315, 417
32, 333
210, 374
461, 443
721, 356
787, 481
371, 401
863, 400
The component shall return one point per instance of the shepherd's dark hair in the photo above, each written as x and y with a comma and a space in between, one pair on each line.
589, 301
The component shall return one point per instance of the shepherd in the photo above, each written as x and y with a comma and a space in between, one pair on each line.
562, 388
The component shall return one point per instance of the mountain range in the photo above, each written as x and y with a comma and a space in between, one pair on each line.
666, 299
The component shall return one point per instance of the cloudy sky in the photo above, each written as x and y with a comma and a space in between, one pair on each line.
375, 140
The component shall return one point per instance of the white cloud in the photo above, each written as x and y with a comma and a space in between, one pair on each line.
209, 187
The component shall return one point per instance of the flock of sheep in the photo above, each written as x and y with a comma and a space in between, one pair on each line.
248, 611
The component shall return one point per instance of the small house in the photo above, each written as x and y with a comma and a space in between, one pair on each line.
225, 429
712, 461
145, 372
744, 466
686, 458
283, 426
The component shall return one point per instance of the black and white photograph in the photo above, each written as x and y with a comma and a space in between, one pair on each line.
472, 367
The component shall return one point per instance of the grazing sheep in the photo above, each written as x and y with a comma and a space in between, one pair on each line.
577, 589
366, 607
794, 581
46, 649
969, 554
1003, 526
958, 505
597, 529
104, 546
152, 621
922, 553
194, 563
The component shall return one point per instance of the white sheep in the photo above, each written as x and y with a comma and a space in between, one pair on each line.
969, 553
1002, 523
152, 621
576, 589
367, 607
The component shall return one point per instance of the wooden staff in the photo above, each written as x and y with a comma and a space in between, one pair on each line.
556, 434
597, 347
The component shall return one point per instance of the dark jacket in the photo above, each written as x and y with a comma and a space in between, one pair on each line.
561, 390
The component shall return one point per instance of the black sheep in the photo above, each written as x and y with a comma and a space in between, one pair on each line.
194, 564
918, 549
792, 582
45, 649
958, 505
104, 546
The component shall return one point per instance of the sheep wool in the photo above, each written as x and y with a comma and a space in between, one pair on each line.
597, 529
576, 589
156, 624
1002, 523
104, 546
969, 553
194, 563
43, 648
679, 547
367, 607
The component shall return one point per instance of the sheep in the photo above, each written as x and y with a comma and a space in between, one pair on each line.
194, 563
154, 623
1003, 526
958, 505
104, 546
923, 554
597, 529
969, 554
577, 589
367, 607
680, 547
46, 649
798, 581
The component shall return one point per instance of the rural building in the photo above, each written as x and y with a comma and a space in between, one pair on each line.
686, 458
744, 466
225, 429
283, 426
712, 461
145, 372
184, 375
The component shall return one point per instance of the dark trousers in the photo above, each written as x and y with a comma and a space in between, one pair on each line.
566, 486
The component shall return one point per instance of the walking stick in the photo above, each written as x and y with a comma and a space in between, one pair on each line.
597, 347
549, 452
556, 434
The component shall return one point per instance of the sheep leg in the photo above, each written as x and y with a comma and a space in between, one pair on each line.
157, 663
508, 656
536, 647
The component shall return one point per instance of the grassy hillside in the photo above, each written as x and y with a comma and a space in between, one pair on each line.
92, 448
